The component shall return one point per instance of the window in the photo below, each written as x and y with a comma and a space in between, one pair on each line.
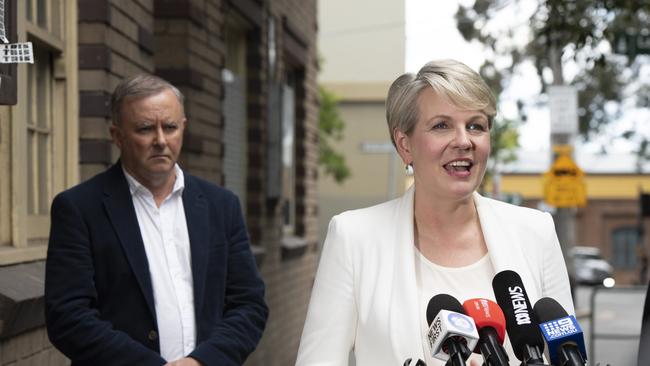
46, 15
39, 134
288, 153
44, 137
234, 109
624, 247
291, 93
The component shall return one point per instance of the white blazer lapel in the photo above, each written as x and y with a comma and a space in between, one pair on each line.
503, 242
404, 321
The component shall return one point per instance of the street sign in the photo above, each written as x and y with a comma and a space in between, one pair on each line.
563, 104
564, 184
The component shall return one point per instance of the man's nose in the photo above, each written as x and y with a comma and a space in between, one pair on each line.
160, 139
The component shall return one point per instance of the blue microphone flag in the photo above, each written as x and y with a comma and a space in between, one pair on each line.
560, 331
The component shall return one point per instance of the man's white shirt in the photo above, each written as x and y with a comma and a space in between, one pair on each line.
167, 245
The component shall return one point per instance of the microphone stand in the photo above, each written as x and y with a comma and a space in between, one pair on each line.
532, 357
570, 356
458, 353
493, 353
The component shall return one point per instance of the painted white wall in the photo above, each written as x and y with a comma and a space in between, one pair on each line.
361, 40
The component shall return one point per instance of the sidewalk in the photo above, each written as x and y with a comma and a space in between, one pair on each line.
617, 323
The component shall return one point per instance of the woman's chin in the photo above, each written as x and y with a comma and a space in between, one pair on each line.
462, 190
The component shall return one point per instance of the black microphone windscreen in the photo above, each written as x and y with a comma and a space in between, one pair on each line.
521, 323
442, 302
548, 309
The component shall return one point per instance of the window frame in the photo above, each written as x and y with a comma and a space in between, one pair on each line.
288, 153
630, 247
236, 41
29, 233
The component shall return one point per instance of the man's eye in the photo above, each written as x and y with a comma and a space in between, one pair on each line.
144, 129
171, 127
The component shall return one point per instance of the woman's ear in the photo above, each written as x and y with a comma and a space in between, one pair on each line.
403, 145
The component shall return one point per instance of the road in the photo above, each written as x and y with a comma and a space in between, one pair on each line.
616, 321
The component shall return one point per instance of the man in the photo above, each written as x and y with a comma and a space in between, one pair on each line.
148, 265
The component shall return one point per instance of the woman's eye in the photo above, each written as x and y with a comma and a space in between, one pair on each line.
476, 127
439, 125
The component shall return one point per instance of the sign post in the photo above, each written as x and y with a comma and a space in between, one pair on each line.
564, 180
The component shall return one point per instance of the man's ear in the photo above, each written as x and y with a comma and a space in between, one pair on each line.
403, 145
116, 135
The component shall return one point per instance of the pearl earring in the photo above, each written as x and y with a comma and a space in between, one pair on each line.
409, 169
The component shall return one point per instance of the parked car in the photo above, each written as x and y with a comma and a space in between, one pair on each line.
590, 267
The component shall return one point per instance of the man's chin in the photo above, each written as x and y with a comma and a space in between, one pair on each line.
161, 168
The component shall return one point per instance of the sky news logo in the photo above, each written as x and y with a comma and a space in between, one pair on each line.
560, 328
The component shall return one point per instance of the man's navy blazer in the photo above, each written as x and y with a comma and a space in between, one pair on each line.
98, 293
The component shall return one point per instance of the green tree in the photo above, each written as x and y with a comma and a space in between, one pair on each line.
504, 141
562, 33
330, 128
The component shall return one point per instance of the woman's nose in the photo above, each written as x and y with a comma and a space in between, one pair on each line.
462, 140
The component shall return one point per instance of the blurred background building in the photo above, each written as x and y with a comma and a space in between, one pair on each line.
611, 219
248, 71
361, 56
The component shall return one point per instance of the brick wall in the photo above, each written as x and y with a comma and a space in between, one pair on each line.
115, 40
190, 54
289, 275
597, 223
30, 348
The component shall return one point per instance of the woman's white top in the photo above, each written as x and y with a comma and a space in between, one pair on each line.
463, 283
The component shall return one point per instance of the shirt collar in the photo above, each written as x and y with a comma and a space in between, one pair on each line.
135, 186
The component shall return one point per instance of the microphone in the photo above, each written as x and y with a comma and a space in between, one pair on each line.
419, 362
526, 339
566, 345
451, 333
491, 324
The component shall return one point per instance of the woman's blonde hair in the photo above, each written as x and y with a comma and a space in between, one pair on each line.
464, 87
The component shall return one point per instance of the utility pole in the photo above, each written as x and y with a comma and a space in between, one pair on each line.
564, 217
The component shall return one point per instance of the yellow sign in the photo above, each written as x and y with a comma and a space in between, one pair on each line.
564, 184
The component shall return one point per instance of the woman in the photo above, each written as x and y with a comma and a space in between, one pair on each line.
381, 265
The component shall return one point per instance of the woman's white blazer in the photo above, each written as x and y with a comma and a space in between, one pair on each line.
365, 292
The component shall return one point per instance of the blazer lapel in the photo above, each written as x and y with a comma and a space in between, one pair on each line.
198, 227
503, 242
404, 321
121, 213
